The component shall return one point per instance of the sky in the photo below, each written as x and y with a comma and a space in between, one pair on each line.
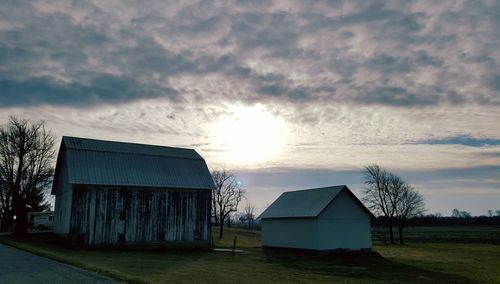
286, 94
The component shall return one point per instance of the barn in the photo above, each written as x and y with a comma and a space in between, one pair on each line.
114, 193
319, 219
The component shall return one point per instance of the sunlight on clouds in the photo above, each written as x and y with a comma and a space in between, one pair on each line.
249, 134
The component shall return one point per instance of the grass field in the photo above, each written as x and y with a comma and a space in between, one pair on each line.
457, 234
423, 262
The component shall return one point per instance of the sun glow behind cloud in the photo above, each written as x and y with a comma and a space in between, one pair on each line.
250, 134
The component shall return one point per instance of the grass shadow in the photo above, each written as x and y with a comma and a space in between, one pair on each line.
360, 268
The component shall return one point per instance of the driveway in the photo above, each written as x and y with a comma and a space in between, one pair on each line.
17, 266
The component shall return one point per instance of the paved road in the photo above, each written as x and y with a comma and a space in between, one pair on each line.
17, 266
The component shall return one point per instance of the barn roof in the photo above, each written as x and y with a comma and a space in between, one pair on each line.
98, 162
306, 203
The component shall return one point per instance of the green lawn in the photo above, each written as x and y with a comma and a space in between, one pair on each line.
426, 262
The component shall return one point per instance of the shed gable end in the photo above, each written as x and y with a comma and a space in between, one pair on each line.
344, 206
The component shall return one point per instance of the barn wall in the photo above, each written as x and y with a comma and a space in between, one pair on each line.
62, 210
344, 224
152, 215
298, 233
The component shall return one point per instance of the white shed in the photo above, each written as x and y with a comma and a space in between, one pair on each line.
320, 219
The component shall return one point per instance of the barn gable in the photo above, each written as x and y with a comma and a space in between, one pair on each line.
97, 162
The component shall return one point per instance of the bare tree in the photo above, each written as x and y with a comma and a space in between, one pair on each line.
249, 214
377, 195
410, 204
388, 195
26, 156
490, 213
226, 196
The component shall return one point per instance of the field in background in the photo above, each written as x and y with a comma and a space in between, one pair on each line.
430, 261
455, 234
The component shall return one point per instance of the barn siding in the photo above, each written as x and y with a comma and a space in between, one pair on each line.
62, 209
63, 212
178, 215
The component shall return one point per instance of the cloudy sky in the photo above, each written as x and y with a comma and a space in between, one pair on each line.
288, 94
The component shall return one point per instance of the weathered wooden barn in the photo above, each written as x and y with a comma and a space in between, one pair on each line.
320, 219
113, 192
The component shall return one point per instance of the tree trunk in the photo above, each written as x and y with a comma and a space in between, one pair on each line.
21, 228
401, 238
391, 232
221, 226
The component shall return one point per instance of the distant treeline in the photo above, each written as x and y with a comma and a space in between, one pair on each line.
444, 221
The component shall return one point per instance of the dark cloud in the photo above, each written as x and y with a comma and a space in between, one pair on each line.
280, 91
105, 88
464, 140
401, 97
297, 178
396, 96
390, 64
274, 31
422, 58
463, 177
375, 14
491, 154
387, 64
495, 82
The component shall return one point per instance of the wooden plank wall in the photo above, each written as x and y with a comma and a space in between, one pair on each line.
152, 215
62, 214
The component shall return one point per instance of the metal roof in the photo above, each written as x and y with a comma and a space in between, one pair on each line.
98, 162
305, 203
124, 147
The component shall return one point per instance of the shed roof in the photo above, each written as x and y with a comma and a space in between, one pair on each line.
306, 203
98, 162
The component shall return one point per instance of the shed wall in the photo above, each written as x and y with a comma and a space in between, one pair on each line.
298, 233
344, 224
152, 214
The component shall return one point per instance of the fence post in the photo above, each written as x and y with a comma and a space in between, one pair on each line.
234, 243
